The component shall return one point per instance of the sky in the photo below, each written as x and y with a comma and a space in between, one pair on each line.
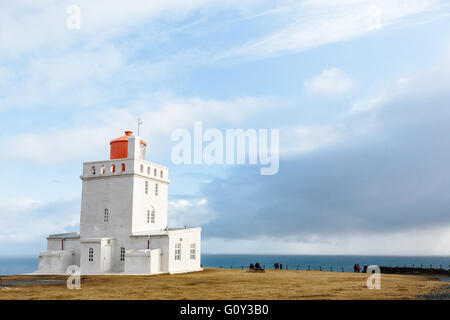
358, 90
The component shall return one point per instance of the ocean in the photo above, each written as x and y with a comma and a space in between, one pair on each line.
21, 265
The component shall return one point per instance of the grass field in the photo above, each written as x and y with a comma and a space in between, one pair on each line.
224, 284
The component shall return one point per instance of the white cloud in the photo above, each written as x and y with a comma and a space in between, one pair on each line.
332, 81
26, 219
74, 68
28, 26
161, 113
189, 213
310, 24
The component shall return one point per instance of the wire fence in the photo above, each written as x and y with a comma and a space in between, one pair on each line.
335, 268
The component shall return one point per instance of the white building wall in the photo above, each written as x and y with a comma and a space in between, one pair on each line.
186, 237
87, 266
155, 261
69, 244
143, 202
138, 261
160, 242
114, 194
55, 262
102, 254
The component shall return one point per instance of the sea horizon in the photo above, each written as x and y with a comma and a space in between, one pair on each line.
21, 264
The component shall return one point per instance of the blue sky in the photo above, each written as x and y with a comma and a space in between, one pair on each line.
358, 90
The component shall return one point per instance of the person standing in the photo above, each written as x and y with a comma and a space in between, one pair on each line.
281, 266
358, 268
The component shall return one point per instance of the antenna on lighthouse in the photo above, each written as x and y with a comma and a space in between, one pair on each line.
139, 125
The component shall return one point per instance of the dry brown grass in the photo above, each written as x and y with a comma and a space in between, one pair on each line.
220, 284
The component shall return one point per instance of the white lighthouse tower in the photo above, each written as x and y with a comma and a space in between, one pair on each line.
123, 225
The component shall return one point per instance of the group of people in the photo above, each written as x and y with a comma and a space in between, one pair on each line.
256, 266
357, 268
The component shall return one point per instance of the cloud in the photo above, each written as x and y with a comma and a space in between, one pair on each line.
310, 24
28, 220
188, 213
389, 180
305, 139
423, 241
27, 27
75, 68
89, 135
332, 81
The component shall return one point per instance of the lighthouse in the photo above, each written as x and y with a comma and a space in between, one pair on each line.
123, 222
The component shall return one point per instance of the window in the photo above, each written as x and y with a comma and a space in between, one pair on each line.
106, 216
93, 170
156, 189
91, 254
146, 187
177, 251
123, 166
151, 216
192, 251
154, 172
142, 168
113, 168
148, 170
122, 254
161, 174
102, 170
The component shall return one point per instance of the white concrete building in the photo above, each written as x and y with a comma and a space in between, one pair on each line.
123, 225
